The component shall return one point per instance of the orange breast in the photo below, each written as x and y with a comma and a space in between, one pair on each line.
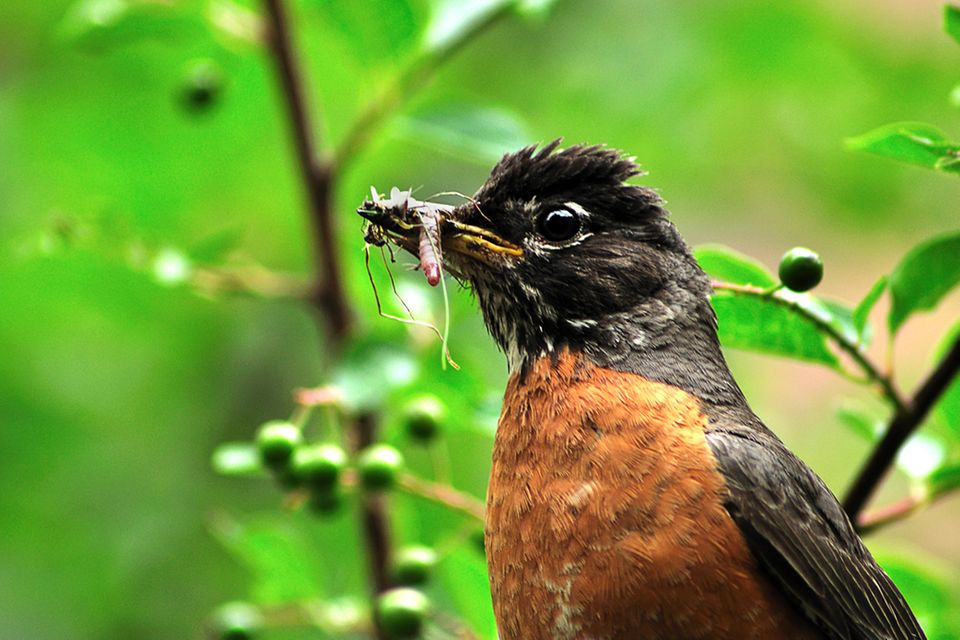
605, 517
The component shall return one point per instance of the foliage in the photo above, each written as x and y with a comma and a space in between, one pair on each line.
152, 164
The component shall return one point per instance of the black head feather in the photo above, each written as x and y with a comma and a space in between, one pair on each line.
587, 171
615, 281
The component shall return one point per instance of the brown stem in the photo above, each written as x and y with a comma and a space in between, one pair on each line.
903, 424
442, 493
316, 174
373, 513
870, 521
329, 298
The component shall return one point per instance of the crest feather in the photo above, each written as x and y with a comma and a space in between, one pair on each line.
549, 171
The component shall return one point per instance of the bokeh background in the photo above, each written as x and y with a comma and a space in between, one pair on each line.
118, 381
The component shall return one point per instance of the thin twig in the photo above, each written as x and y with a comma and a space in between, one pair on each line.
902, 425
250, 280
851, 348
420, 70
443, 494
870, 521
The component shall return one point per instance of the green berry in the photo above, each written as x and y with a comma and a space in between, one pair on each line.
276, 441
401, 612
326, 501
800, 269
378, 466
423, 417
236, 621
202, 85
319, 466
478, 541
412, 565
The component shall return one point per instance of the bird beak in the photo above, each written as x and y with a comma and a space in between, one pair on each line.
477, 243
401, 219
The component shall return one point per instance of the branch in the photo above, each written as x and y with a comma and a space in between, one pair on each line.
250, 280
329, 298
870, 370
902, 425
443, 494
317, 176
417, 74
870, 521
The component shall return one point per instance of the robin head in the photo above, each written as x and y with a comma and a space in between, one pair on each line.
562, 252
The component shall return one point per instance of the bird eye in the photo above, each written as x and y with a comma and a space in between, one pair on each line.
558, 225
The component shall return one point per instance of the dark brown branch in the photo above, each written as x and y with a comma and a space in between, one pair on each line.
318, 179
329, 298
373, 513
903, 424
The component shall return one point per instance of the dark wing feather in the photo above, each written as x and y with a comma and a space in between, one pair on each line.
802, 537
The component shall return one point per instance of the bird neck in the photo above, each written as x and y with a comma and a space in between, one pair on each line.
669, 336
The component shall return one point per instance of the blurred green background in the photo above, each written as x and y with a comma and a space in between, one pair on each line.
117, 383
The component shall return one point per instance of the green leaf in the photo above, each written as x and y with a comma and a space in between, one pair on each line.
944, 479
451, 19
237, 459
951, 21
862, 312
474, 132
726, 265
949, 164
377, 31
911, 142
282, 562
955, 96
370, 370
536, 8
836, 314
926, 585
947, 409
860, 420
100, 24
216, 246
757, 324
923, 277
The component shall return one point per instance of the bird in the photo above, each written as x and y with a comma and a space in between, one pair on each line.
634, 494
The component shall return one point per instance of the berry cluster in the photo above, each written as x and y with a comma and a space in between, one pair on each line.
322, 475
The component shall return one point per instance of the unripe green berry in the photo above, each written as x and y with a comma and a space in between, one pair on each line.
412, 565
276, 441
202, 85
401, 612
423, 417
236, 621
478, 541
378, 466
319, 466
800, 269
326, 501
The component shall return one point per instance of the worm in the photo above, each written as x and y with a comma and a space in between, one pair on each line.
429, 247
399, 210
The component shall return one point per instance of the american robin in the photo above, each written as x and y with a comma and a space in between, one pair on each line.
634, 494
